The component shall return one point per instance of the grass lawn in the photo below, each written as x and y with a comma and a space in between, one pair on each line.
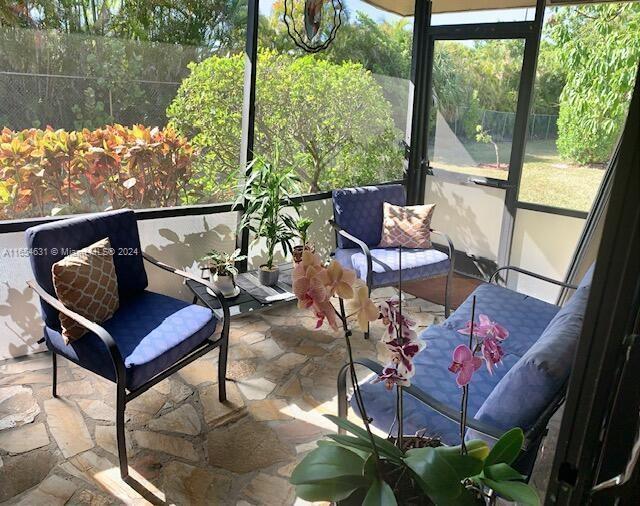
546, 179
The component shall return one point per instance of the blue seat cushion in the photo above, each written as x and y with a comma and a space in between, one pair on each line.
525, 318
416, 264
535, 381
51, 242
152, 332
359, 211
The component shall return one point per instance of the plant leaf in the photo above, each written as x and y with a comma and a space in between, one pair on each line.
380, 494
336, 489
502, 472
506, 449
515, 491
325, 463
385, 447
464, 465
437, 475
476, 448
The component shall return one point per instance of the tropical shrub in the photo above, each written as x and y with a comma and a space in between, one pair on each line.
599, 47
58, 172
331, 121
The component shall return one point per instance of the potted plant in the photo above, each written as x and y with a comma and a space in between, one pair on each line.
363, 468
222, 266
302, 227
265, 196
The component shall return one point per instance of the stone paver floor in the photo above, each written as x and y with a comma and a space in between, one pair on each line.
184, 446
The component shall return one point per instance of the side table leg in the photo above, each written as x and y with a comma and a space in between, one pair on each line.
222, 370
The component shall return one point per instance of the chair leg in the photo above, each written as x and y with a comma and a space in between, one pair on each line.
121, 403
368, 332
222, 370
447, 294
54, 386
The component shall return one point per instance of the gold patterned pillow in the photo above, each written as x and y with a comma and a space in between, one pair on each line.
406, 226
86, 283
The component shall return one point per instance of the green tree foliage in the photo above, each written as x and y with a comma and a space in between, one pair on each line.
330, 122
599, 47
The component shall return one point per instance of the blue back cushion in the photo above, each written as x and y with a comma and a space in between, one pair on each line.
532, 384
51, 242
359, 211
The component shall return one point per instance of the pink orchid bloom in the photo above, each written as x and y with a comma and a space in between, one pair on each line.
464, 364
309, 290
493, 329
325, 311
391, 376
339, 281
485, 328
366, 310
492, 353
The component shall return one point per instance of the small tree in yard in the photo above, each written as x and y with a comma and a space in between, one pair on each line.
331, 122
483, 136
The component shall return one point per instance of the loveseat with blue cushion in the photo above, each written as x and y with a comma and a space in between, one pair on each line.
148, 338
524, 391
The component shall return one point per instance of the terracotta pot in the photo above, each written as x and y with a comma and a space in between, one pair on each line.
298, 250
268, 277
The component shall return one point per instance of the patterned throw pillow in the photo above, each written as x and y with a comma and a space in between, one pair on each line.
408, 226
86, 283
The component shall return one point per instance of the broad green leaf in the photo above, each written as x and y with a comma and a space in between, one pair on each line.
327, 462
501, 472
464, 465
506, 449
476, 448
466, 498
352, 442
515, 491
439, 477
364, 454
336, 489
380, 494
384, 447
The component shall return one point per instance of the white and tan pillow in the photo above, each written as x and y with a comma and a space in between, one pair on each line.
406, 226
86, 283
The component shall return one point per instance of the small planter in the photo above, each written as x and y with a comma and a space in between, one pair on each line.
225, 283
268, 277
299, 250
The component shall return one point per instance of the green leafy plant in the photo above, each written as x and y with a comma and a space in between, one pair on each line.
223, 263
302, 227
343, 469
265, 196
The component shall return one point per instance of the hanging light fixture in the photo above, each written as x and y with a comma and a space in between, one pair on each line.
308, 33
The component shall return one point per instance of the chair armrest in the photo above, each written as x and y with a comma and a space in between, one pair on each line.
187, 275
102, 334
446, 411
361, 244
450, 246
532, 274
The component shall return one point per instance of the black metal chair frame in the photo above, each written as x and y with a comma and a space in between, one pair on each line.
123, 396
369, 281
533, 436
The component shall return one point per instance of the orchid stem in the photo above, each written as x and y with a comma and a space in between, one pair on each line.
356, 390
465, 390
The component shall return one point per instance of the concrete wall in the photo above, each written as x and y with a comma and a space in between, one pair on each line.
543, 243
471, 215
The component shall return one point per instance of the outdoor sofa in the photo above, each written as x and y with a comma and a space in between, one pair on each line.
524, 391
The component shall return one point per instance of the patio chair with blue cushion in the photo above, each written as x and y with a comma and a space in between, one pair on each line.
149, 337
524, 391
358, 217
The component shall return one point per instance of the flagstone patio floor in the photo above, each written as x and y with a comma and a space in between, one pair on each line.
185, 447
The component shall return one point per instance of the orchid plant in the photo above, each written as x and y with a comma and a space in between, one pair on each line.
364, 468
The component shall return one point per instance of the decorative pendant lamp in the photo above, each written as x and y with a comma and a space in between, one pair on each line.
307, 31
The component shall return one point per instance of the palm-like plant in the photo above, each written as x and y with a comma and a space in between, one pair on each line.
266, 193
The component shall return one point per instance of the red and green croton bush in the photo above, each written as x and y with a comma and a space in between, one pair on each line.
58, 172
